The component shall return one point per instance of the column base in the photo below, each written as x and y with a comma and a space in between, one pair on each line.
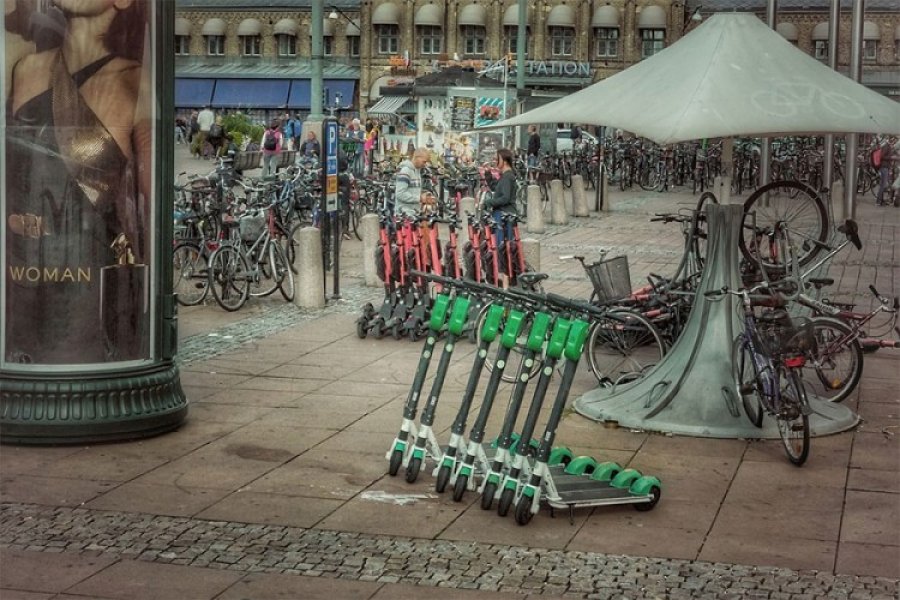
75, 408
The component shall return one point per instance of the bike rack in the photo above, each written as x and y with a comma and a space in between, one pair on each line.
698, 367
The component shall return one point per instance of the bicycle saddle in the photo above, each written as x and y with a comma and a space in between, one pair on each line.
531, 278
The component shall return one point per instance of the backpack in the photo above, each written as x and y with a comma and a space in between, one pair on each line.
270, 142
215, 132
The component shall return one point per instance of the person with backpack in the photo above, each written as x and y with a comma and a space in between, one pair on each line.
217, 137
271, 148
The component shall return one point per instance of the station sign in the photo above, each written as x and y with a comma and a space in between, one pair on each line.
331, 164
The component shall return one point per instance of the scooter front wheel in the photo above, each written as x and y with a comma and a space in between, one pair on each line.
395, 462
487, 497
523, 511
412, 469
459, 488
443, 478
361, 329
655, 493
506, 500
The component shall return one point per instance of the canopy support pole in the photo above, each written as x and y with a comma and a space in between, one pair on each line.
765, 147
850, 175
834, 28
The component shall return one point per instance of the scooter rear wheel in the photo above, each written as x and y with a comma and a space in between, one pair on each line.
655, 492
523, 511
395, 462
361, 329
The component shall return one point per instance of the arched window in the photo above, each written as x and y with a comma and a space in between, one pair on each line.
182, 37
250, 34
285, 32
511, 29
471, 29
561, 29
428, 21
605, 26
386, 21
652, 25
214, 33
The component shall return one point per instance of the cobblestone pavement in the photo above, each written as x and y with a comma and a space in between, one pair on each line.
489, 567
270, 473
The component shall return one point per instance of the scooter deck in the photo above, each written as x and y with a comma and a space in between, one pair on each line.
581, 491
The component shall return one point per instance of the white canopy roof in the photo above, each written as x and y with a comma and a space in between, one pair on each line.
731, 76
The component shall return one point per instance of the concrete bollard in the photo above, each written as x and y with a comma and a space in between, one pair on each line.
837, 202
558, 213
370, 235
531, 250
309, 291
579, 198
535, 211
466, 205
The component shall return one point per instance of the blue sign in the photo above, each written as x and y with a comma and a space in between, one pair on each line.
331, 164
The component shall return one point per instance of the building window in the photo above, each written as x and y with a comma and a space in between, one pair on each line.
353, 45
182, 45
215, 45
870, 50
820, 49
473, 39
652, 41
430, 38
562, 41
607, 40
250, 45
287, 44
511, 35
388, 39
327, 45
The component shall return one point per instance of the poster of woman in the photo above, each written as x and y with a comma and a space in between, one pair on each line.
77, 181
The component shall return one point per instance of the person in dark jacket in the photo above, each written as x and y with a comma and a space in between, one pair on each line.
534, 150
503, 201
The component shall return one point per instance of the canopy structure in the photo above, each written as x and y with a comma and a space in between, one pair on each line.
731, 76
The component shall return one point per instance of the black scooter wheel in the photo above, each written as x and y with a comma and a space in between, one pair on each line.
443, 478
506, 500
412, 470
459, 488
377, 332
396, 332
523, 511
396, 461
655, 493
413, 335
361, 329
487, 497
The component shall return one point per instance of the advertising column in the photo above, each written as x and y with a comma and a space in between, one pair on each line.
88, 324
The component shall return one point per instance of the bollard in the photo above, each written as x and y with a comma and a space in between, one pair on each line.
837, 202
531, 250
466, 205
606, 200
535, 208
579, 198
370, 235
308, 289
558, 213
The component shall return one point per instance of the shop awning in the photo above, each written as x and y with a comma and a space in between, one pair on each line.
193, 93
429, 15
352, 28
511, 16
388, 105
871, 31
249, 27
560, 16
606, 16
820, 31
214, 27
788, 31
251, 93
182, 26
386, 14
299, 96
286, 27
652, 17
472, 14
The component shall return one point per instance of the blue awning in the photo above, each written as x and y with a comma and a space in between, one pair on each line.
300, 92
251, 93
193, 93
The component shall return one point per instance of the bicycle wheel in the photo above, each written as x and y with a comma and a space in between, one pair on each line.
283, 274
793, 421
229, 277
747, 381
262, 279
835, 368
623, 347
356, 215
516, 355
649, 180
190, 277
804, 214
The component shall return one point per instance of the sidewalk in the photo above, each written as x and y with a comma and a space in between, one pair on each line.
276, 488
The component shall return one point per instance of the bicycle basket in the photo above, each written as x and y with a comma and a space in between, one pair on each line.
611, 278
252, 225
780, 335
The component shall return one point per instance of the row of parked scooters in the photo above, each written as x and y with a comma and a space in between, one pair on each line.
524, 470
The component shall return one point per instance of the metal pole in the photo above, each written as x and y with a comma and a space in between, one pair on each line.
316, 84
834, 27
765, 149
856, 40
522, 32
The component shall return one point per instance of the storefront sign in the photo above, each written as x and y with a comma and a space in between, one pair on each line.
462, 113
557, 68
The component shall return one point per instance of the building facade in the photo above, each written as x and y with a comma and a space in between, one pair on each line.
255, 54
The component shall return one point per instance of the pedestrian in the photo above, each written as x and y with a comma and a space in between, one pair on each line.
205, 120
357, 137
180, 131
534, 150
216, 137
271, 148
288, 131
882, 160
193, 128
311, 148
408, 195
502, 201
